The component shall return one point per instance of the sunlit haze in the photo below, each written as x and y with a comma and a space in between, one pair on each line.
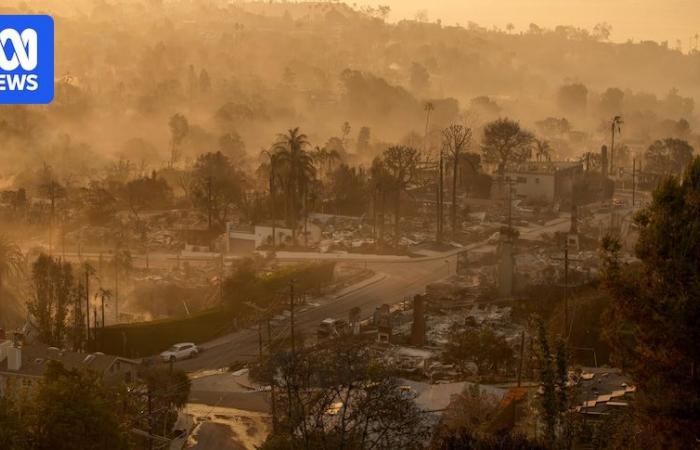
659, 20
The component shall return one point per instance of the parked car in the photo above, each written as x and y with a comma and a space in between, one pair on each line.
180, 351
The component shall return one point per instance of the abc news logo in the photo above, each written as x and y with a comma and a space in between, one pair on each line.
26, 59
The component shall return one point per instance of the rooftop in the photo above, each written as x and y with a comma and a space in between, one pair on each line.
35, 356
603, 388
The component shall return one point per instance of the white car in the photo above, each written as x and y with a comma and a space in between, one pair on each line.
180, 351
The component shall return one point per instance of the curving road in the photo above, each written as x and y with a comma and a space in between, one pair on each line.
396, 278
393, 282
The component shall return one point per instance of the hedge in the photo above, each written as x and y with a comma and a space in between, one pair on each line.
150, 338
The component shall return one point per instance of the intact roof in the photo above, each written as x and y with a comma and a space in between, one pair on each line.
602, 388
35, 356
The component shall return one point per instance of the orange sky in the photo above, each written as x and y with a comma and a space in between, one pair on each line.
660, 20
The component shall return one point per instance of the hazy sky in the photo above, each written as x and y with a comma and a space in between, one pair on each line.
636, 19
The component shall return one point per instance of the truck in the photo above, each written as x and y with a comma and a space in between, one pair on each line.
332, 328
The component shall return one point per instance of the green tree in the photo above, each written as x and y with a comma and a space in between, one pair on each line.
169, 391
231, 145
12, 425
348, 189
147, 193
217, 188
653, 324
553, 377
179, 129
573, 98
668, 157
297, 170
363, 141
504, 142
466, 439
54, 296
338, 397
11, 266
99, 203
74, 410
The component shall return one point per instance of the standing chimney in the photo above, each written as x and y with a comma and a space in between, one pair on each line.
604, 161
418, 328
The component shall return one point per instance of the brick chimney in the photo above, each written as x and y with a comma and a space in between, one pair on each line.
604, 161
418, 327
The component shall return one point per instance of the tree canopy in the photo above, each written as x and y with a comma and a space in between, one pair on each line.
656, 310
504, 142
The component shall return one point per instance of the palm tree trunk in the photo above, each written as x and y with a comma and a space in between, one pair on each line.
438, 234
397, 217
374, 215
453, 209
306, 219
381, 216
2, 325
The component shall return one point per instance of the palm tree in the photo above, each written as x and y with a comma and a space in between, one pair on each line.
324, 160
297, 170
543, 151
273, 179
320, 157
332, 156
11, 263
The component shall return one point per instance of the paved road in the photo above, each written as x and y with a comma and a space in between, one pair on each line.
393, 282
396, 279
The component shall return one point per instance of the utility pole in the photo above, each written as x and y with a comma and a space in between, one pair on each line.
428, 110
510, 206
94, 321
273, 162
634, 184
221, 280
103, 314
209, 201
291, 316
566, 293
150, 419
509, 198
567, 260
522, 353
440, 195
260, 341
614, 126
87, 303
272, 381
116, 289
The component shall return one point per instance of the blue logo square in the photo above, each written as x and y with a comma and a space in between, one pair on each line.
26, 59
